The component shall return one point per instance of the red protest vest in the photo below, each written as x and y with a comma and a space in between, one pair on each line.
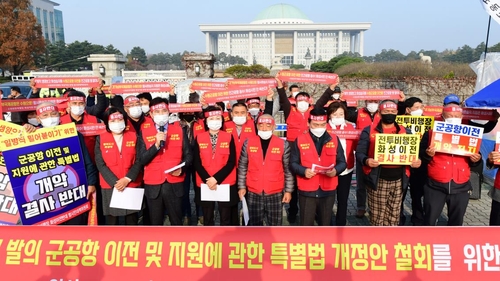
169, 156
265, 174
198, 127
292, 100
350, 144
226, 116
446, 167
364, 119
371, 149
297, 123
89, 140
309, 156
215, 163
119, 163
247, 131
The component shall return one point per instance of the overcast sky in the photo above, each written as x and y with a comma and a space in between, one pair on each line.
173, 26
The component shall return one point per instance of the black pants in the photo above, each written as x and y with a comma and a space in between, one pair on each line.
434, 201
228, 215
131, 219
310, 206
361, 194
169, 198
417, 182
495, 213
294, 206
343, 190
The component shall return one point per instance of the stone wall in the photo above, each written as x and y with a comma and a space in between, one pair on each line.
431, 91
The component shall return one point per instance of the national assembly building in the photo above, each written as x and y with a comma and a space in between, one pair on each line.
284, 32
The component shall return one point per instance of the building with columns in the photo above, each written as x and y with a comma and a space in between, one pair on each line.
283, 31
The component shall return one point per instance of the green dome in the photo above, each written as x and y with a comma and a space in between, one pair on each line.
281, 13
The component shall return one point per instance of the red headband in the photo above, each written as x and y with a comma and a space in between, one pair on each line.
114, 116
46, 108
77, 98
302, 98
213, 113
265, 120
253, 101
388, 105
158, 106
130, 100
452, 109
318, 117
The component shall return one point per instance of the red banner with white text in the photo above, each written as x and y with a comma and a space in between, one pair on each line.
249, 253
184, 107
67, 82
371, 94
236, 94
247, 83
208, 85
308, 77
20, 105
133, 88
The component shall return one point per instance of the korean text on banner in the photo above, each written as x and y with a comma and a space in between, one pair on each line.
236, 94
479, 114
456, 139
8, 129
492, 7
30, 104
47, 174
308, 77
417, 124
371, 94
9, 214
184, 107
247, 83
249, 253
67, 82
346, 134
133, 88
396, 149
208, 86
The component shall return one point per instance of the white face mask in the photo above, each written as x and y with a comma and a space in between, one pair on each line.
50, 122
239, 120
337, 121
160, 119
33, 121
145, 108
265, 135
294, 94
302, 106
318, 132
116, 127
417, 112
254, 111
77, 110
455, 121
214, 124
372, 107
135, 112
336, 96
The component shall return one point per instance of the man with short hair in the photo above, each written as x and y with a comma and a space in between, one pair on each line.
145, 98
132, 106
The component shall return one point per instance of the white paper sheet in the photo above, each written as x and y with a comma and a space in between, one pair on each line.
221, 194
244, 207
129, 199
175, 168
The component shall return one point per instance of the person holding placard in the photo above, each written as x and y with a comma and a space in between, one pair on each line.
118, 164
166, 147
336, 122
494, 162
215, 164
297, 124
448, 176
317, 159
385, 183
263, 172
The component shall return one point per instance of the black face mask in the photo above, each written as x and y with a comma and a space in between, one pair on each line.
388, 118
188, 118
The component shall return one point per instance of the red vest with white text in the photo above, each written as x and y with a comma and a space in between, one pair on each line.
214, 163
247, 131
364, 119
297, 123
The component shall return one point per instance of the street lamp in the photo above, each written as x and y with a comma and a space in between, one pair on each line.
102, 70
197, 70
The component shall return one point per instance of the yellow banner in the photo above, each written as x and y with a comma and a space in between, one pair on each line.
9, 130
417, 124
40, 136
396, 149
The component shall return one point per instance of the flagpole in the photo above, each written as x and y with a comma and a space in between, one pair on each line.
486, 48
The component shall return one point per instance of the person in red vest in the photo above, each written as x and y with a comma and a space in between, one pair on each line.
297, 124
166, 146
240, 127
264, 170
317, 158
215, 163
385, 182
254, 110
294, 91
336, 122
493, 160
118, 164
448, 176
136, 118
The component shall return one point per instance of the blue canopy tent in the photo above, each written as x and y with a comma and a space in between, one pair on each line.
488, 97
